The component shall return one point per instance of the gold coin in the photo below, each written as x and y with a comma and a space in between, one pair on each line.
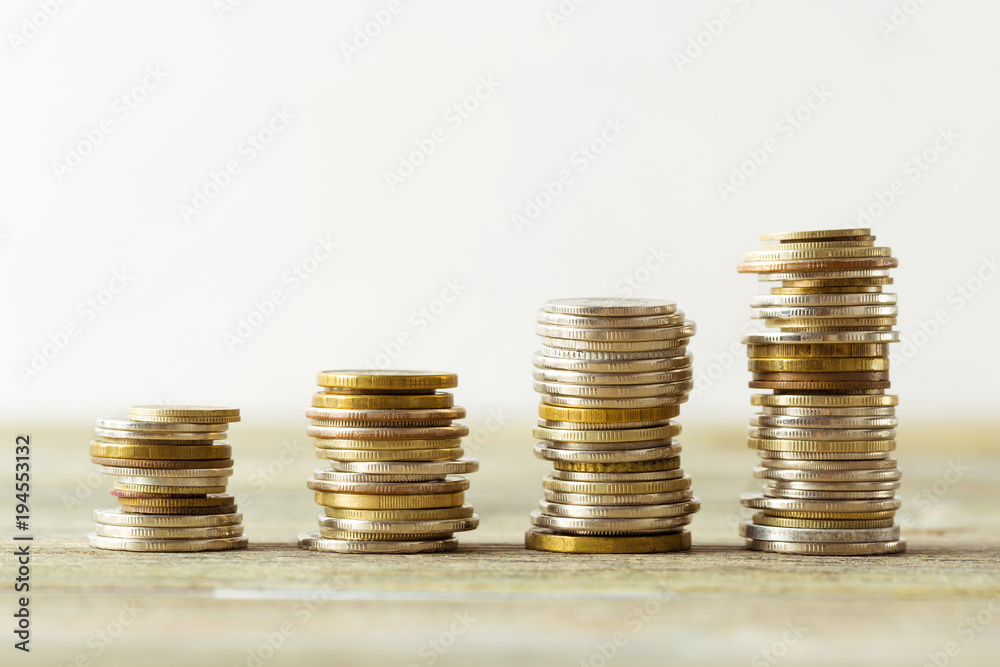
822, 524
436, 401
657, 465
397, 417
167, 452
451, 484
391, 455
177, 511
873, 281
781, 445
376, 380
149, 488
194, 414
816, 235
438, 514
824, 400
855, 289
824, 516
800, 350
209, 501
811, 265
820, 253
386, 445
541, 539
393, 433
606, 416
819, 365
375, 502
861, 242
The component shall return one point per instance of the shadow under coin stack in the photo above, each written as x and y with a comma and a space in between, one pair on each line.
170, 480
825, 434
612, 373
394, 484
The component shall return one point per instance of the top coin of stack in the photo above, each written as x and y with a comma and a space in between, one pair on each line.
394, 484
171, 479
612, 374
825, 434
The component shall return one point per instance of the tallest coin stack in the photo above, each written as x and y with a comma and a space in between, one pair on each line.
825, 433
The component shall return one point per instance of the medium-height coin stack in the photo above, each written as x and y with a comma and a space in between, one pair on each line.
825, 433
170, 480
612, 373
394, 484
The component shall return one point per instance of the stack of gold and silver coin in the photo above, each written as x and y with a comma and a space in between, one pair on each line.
170, 474
394, 484
612, 374
826, 432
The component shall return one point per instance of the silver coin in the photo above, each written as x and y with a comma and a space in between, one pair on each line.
602, 426
166, 473
137, 532
178, 437
829, 412
777, 534
813, 485
848, 299
783, 421
436, 414
314, 542
757, 501
344, 423
612, 366
680, 330
441, 432
575, 377
841, 476
617, 403
886, 463
799, 494
375, 445
676, 509
415, 528
613, 391
824, 312
453, 467
619, 357
178, 482
829, 549
123, 424
330, 475
608, 526
451, 484
606, 487
616, 322
113, 516
124, 544
616, 346
824, 456
781, 276
822, 435
822, 337
544, 451
570, 476
617, 499
608, 446
610, 307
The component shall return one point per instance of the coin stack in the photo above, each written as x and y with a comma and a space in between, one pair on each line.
825, 433
394, 484
612, 374
170, 476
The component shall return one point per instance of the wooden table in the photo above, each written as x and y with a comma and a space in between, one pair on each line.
495, 603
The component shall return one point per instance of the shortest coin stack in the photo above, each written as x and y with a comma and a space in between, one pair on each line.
170, 480
394, 484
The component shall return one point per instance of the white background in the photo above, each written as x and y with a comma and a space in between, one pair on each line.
654, 189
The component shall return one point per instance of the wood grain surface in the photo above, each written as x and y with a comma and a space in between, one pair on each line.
495, 603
